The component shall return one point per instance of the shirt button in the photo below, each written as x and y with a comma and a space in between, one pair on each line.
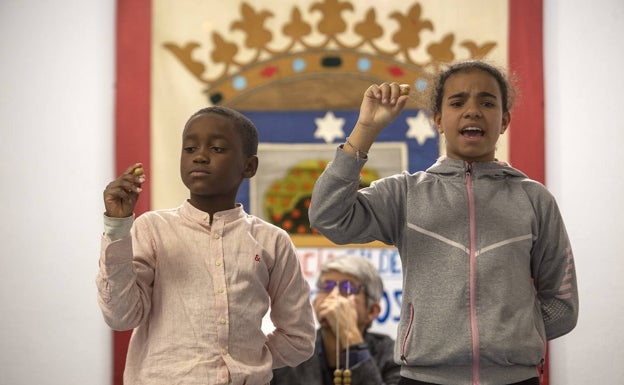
222, 320
218, 263
220, 291
205, 217
215, 236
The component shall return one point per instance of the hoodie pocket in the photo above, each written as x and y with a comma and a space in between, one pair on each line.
406, 336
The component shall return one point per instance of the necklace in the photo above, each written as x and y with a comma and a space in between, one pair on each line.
342, 376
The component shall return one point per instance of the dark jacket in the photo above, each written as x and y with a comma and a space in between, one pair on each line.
378, 368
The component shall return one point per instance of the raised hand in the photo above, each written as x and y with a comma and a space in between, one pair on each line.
121, 195
340, 315
381, 105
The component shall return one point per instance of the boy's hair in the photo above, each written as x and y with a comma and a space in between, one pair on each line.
506, 88
363, 270
246, 129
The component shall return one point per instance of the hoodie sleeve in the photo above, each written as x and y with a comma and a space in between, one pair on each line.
553, 270
344, 213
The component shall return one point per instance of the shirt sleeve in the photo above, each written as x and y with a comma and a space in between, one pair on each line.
125, 276
117, 228
292, 341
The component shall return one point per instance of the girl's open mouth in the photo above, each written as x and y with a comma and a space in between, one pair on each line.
472, 132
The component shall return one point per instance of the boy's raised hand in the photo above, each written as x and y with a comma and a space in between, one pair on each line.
121, 195
382, 104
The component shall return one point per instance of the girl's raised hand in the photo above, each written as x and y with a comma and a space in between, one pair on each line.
121, 195
382, 104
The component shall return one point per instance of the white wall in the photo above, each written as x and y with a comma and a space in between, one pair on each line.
585, 134
56, 122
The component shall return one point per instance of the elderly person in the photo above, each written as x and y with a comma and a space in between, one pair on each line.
349, 289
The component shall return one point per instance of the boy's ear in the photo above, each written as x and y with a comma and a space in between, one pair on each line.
251, 166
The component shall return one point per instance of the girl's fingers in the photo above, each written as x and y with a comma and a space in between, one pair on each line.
389, 93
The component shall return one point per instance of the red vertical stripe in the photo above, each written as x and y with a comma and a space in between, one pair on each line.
132, 117
526, 58
526, 150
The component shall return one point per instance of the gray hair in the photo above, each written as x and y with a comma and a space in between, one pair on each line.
363, 270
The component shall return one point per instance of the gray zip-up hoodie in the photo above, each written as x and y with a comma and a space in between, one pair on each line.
488, 272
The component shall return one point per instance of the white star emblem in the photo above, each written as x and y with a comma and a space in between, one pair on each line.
329, 127
420, 128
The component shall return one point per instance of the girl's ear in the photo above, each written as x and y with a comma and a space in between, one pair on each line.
505, 122
251, 166
437, 119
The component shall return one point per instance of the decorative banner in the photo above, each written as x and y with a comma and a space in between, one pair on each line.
299, 69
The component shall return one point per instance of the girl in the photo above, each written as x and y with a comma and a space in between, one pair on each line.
488, 269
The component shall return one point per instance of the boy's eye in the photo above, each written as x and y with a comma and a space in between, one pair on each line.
218, 150
456, 103
189, 149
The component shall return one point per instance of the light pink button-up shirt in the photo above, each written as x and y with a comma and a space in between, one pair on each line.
196, 294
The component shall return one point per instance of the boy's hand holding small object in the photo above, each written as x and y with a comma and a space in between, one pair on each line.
121, 195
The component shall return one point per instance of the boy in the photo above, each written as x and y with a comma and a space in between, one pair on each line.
194, 282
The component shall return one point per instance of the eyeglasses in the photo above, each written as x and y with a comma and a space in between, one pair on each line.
345, 288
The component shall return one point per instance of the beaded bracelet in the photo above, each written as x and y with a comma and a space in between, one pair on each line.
357, 150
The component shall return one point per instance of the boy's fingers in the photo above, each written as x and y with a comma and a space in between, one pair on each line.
131, 168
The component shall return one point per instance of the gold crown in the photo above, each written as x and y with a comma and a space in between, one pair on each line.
303, 69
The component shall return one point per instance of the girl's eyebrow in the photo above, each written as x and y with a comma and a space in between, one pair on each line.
486, 94
459, 95
462, 95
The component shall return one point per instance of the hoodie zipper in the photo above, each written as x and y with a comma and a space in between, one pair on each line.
473, 278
